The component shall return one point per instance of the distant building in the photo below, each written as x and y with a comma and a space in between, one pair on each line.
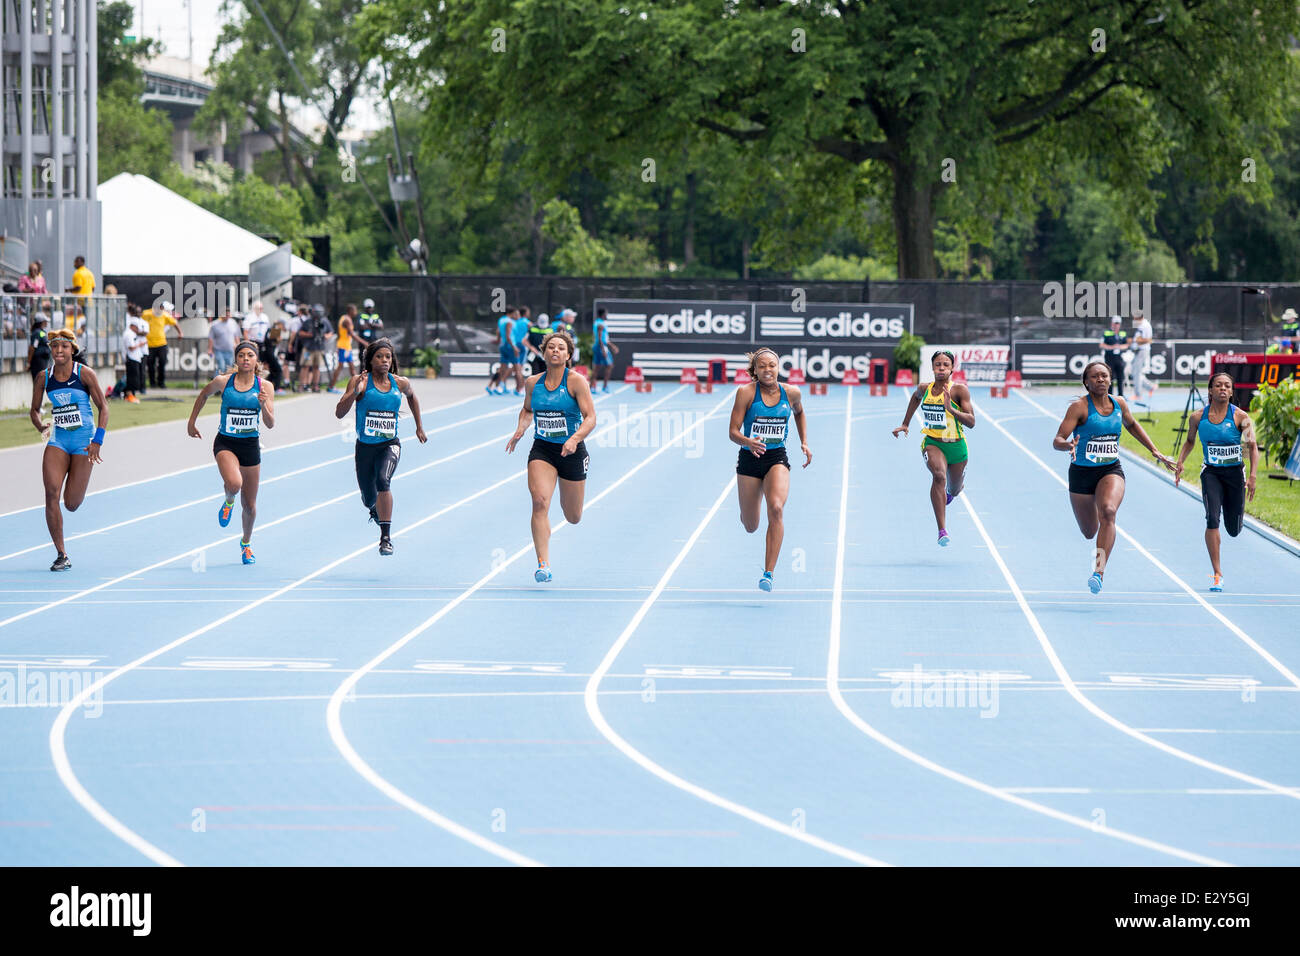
180, 88
48, 137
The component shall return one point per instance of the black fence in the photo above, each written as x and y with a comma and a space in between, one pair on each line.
459, 312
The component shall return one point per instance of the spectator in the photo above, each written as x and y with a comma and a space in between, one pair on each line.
369, 323
312, 331
38, 346
83, 280
257, 329
291, 342
33, 282
159, 320
223, 335
135, 344
346, 326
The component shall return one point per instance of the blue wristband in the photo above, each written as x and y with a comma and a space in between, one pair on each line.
99, 438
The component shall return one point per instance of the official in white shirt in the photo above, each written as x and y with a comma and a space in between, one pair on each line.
1142, 336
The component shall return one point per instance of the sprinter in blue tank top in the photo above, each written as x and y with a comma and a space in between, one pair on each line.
1225, 431
377, 393
560, 408
760, 424
247, 403
74, 439
1090, 433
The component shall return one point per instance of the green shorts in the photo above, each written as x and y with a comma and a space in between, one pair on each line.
955, 451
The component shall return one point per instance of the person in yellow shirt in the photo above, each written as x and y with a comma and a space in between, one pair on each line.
159, 319
346, 321
83, 283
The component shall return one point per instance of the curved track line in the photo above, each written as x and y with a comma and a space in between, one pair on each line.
58, 749
833, 688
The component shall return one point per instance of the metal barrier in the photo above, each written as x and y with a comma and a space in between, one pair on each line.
98, 321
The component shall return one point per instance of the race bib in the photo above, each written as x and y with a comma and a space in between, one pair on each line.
239, 420
67, 416
769, 428
1102, 450
380, 424
551, 425
1216, 454
934, 417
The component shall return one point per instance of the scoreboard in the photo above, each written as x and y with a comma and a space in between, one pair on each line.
1249, 372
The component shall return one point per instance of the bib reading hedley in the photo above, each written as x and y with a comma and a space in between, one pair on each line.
769, 428
380, 423
67, 416
551, 424
1102, 450
934, 416
240, 421
1217, 453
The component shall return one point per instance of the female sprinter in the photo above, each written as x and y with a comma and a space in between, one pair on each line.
378, 392
563, 414
946, 410
1223, 429
75, 441
760, 421
246, 402
1090, 433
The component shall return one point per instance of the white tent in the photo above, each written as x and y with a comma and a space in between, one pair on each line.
150, 230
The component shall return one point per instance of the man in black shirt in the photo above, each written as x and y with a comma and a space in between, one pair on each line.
38, 346
1113, 342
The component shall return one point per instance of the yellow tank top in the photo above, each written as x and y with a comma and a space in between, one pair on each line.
345, 337
937, 421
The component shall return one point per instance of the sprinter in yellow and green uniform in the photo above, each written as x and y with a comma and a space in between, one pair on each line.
946, 412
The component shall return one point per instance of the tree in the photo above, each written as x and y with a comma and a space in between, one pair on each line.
131, 138
913, 100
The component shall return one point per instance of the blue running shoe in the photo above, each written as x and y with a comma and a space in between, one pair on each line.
944, 540
488, 389
543, 573
765, 582
246, 553
1217, 586
223, 516
1094, 582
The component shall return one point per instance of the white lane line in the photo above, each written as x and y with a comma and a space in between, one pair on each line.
1187, 588
58, 749
591, 699
219, 496
184, 471
346, 690
833, 688
1073, 690
261, 527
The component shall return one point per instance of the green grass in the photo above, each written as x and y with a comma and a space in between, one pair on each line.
1277, 503
16, 428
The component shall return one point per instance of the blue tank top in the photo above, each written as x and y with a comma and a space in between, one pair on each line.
602, 333
506, 329
71, 400
520, 331
377, 412
241, 412
555, 413
1099, 437
768, 422
1221, 443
